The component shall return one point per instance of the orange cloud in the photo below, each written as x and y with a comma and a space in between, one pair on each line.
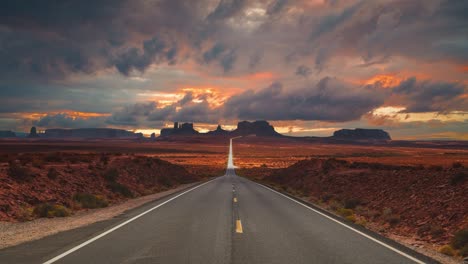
385, 80
70, 113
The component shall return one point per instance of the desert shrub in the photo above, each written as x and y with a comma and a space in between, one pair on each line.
326, 197
447, 250
111, 175
436, 167
104, 159
351, 203
436, 231
90, 201
120, 188
351, 218
393, 219
457, 165
52, 173
463, 251
460, 239
49, 210
24, 214
390, 217
345, 212
458, 178
335, 205
53, 157
362, 222
37, 162
18, 172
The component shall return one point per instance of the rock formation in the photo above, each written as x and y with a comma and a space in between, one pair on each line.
7, 134
91, 133
218, 132
33, 133
258, 128
185, 129
361, 134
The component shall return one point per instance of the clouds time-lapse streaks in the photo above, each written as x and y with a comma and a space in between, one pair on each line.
309, 67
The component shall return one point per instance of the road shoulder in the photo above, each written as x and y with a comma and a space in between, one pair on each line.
12, 234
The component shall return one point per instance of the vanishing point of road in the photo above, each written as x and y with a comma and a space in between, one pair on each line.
229, 219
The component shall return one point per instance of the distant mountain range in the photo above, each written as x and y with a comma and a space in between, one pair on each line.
264, 129
244, 128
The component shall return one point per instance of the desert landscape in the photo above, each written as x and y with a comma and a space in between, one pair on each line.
416, 195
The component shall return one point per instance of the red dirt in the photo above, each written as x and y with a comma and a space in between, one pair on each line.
415, 200
82, 173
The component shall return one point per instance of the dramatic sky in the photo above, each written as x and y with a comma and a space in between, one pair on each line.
308, 66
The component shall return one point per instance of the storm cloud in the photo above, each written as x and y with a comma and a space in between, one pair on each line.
266, 59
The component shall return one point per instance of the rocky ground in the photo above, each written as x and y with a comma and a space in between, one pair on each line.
422, 204
34, 185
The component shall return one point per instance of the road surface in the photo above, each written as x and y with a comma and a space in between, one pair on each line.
226, 220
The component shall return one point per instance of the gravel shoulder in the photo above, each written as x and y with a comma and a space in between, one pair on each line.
12, 234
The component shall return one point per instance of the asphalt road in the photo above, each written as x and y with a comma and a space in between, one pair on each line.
227, 220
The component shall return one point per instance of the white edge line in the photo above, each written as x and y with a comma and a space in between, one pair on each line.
349, 227
120, 225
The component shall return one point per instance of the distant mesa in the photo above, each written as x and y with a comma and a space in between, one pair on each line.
259, 128
185, 129
361, 134
218, 132
33, 133
7, 134
90, 133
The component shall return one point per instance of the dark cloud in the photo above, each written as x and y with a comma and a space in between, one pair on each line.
63, 120
426, 96
132, 115
227, 9
329, 99
155, 50
219, 52
303, 71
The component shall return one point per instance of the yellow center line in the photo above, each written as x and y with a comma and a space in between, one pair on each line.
235, 199
238, 226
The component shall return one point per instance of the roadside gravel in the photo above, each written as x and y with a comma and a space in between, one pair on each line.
16, 233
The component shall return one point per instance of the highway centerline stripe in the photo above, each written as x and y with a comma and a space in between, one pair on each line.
239, 226
347, 226
120, 225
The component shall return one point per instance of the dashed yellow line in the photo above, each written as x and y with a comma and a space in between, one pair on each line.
238, 226
235, 199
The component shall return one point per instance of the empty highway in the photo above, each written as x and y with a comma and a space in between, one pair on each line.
226, 220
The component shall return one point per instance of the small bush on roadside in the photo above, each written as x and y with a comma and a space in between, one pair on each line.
120, 188
345, 212
393, 219
436, 231
90, 201
351, 203
52, 173
362, 222
326, 197
458, 178
460, 239
49, 210
25, 214
457, 165
463, 251
18, 172
447, 250
351, 218
389, 217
